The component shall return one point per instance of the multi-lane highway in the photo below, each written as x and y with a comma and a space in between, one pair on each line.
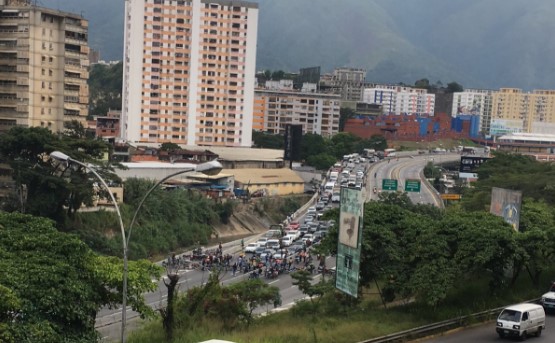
407, 167
402, 168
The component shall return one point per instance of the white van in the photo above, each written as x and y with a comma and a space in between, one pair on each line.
521, 321
328, 188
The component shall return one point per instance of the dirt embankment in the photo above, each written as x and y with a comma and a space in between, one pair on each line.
257, 215
244, 222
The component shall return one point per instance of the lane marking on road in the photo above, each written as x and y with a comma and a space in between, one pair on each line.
269, 283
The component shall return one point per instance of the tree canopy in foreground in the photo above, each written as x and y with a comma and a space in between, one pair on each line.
52, 284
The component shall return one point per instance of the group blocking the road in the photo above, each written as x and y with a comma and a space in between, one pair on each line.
265, 266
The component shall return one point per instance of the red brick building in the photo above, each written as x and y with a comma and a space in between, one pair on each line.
411, 127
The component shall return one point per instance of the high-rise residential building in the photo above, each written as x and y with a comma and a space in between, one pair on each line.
43, 66
274, 107
348, 82
400, 99
189, 69
535, 110
476, 102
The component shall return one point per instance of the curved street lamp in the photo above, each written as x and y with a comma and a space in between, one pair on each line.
208, 168
60, 156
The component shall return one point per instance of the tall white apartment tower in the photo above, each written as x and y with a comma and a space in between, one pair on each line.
189, 71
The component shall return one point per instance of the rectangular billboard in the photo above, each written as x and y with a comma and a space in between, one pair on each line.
293, 137
506, 203
349, 243
469, 166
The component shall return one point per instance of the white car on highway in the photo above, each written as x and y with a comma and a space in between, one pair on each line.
287, 240
251, 248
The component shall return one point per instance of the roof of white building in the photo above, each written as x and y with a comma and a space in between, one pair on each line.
529, 137
264, 176
229, 153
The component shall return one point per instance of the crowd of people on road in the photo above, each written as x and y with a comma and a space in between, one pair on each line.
256, 266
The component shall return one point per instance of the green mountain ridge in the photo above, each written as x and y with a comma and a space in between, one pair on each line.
481, 44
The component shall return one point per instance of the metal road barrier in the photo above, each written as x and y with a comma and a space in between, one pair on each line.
439, 327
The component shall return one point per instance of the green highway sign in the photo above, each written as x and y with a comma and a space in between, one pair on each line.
412, 186
389, 184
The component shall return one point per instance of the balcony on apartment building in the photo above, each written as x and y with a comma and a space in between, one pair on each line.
75, 38
8, 57
76, 25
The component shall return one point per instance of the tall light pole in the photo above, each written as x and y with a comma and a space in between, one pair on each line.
209, 168
60, 156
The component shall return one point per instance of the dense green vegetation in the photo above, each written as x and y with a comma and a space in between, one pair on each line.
52, 284
516, 172
320, 152
46, 187
105, 84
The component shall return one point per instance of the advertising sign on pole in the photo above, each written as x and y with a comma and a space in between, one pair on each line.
349, 244
506, 203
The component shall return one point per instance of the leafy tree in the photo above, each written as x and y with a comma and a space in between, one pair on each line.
105, 85
313, 144
169, 219
453, 87
52, 285
254, 293
278, 75
486, 245
345, 113
422, 83
511, 171
268, 74
537, 240
432, 171
395, 198
345, 143
229, 305
376, 142
424, 253
267, 140
167, 146
321, 161
46, 186
303, 279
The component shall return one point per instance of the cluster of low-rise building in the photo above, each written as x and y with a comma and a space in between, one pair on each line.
189, 78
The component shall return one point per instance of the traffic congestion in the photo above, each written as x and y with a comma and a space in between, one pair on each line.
290, 246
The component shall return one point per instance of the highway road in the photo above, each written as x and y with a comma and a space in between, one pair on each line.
405, 167
108, 321
486, 333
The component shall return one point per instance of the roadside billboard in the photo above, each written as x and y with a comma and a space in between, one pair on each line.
469, 166
349, 244
292, 139
506, 203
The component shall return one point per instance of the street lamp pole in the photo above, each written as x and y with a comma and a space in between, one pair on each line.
208, 168
60, 156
